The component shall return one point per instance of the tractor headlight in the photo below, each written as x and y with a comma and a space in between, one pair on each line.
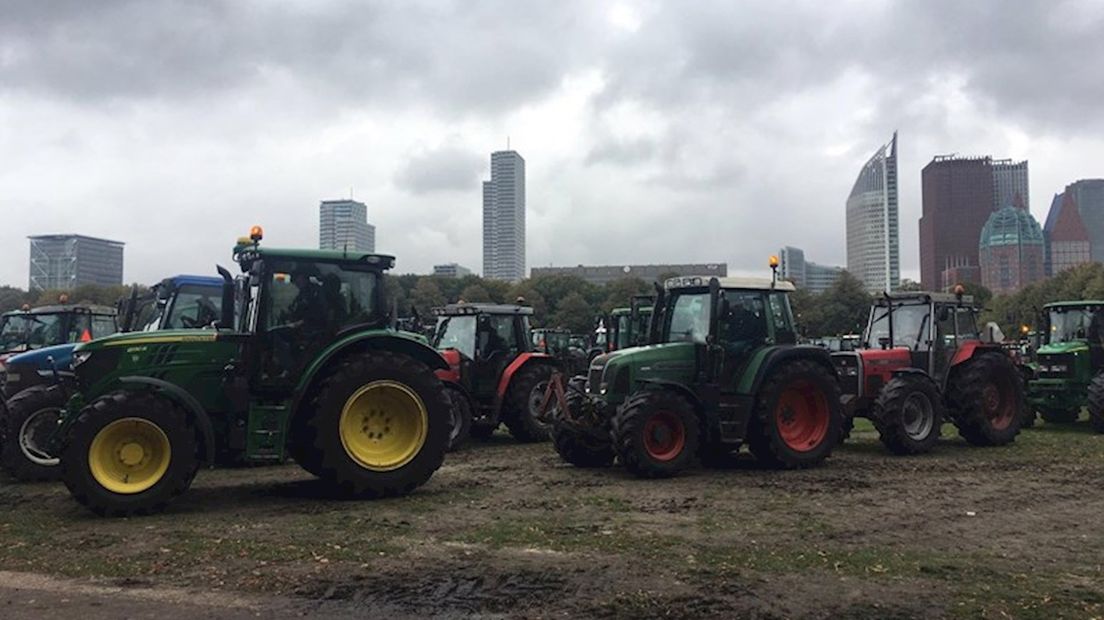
851, 371
80, 357
603, 387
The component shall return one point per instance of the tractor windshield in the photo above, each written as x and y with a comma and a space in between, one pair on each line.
321, 298
31, 331
689, 320
911, 323
624, 331
456, 332
1072, 324
194, 307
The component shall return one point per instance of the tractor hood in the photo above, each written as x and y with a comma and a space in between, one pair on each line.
131, 339
40, 358
1056, 348
621, 370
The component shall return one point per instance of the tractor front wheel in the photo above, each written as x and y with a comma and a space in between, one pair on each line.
798, 417
461, 418
988, 398
1096, 403
908, 413
523, 402
32, 417
575, 446
129, 453
381, 426
656, 433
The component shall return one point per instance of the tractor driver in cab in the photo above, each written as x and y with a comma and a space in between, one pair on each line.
309, 308
745, 324
490, 342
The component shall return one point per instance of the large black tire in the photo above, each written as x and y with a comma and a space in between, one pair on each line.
847, 424
988, 400
908, 413
1059, 416
402, 382
145, 409
32, 417
656, 433
523, 400
460, 422
1096, 403
580, 449
798, 417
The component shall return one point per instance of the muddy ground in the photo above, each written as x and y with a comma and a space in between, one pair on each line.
508, 530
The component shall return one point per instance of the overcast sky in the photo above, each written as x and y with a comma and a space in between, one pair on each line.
652, 131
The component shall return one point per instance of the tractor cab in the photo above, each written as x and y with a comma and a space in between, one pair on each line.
623, 327
34, 328
496, 374
564, 346
922, 358
179, 302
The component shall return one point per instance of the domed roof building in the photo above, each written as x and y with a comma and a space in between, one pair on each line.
1010, 251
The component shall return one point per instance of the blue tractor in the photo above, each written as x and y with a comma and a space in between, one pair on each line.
37, 382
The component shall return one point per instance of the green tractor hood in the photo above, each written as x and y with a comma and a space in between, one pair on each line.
1076, 346
673, 361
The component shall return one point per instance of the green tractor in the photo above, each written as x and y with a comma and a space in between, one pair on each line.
623, 327
722, 370
1069, 364
310, 370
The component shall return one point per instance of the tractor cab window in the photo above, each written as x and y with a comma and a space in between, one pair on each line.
194, 307
80, 328
320, 298
456, 332
782, 317
103, 325
495, 336
910, 326
45, 330
966, 323
745, 325
945, 326
1070, 324
624, 331
689, 320
14, 331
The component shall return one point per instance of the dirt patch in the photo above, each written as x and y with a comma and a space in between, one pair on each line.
509, 530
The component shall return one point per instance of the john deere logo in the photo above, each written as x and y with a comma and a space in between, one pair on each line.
137, 349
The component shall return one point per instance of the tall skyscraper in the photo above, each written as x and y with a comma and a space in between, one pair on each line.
67, 261
1067, 239
959, 195
873, 248
1010, 251
1088, 195
343, 224
504, 218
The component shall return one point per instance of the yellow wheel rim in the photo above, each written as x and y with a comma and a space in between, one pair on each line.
129, 455
383, 425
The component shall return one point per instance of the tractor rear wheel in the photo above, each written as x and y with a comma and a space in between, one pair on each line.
381, 426
988, 398
461, 418
908, 413
1060, 416
32, 417
656, 433
129, 453
576, 447
523, 401
1096, 403
798, 417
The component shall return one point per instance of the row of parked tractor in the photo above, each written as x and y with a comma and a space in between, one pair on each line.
299, 356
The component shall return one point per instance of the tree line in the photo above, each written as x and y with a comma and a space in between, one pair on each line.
573, 303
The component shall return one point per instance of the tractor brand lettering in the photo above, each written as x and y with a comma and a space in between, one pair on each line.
137, 349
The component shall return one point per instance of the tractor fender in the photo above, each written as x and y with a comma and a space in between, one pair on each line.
181, 397
519, 362
764, 362
365, 341
971, 348
674, 386
453, 359
915, 372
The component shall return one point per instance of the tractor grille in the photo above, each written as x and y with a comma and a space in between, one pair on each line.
848, 371
1056, 366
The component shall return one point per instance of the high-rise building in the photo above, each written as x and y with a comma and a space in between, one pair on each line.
1010, 251
504, 218
1088, 195
1067, 239
67, 261
804, 274
1010, 186
451, 270
873, 249
959, 194
343, 224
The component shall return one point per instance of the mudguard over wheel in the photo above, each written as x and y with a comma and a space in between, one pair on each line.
578, 448
381, 425
988, 398
1060, 416
908, 413
32, 417
1096, 403
129, 453
656, 433
798, 418
523, 401
460, 421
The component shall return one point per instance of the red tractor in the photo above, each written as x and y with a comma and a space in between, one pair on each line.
924, 362
494, 375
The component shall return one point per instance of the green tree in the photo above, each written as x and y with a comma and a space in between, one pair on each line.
909, 286
842, 309
426, 296
574, 313
475, 293
619, 293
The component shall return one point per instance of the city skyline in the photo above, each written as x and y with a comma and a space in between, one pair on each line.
636, 122
873, 229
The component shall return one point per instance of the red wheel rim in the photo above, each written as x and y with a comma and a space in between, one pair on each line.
998, 409
802, 416
664, 436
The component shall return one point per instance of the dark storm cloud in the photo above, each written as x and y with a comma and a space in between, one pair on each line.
443, 169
